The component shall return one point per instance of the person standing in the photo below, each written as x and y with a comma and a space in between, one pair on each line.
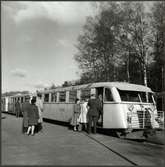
101, 109
25, 110
39, 104
93, 112
17, 108
83, 115
33, 117
76, 114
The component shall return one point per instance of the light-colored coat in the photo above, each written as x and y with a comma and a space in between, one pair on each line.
83, 114
39, 105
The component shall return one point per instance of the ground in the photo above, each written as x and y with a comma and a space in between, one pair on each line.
58, 145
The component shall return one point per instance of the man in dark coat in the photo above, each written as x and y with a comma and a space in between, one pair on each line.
17, 108
25, 109
93, 112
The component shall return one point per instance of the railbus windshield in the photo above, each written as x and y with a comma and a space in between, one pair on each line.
136, 96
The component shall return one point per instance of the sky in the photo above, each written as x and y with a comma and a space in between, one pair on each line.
38, 43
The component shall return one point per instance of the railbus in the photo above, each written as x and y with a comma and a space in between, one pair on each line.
126, 107
4, 104
8, 102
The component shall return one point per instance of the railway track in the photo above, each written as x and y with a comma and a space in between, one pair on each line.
112, 150
124, 148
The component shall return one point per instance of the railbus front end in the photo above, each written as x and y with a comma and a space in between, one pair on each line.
131, 108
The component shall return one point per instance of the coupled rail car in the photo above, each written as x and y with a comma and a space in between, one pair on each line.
126, 107
8, 102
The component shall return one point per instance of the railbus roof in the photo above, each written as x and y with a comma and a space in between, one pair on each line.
119, 85
19, 95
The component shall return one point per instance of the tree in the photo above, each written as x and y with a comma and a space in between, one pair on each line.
117, 44
86, 56
158, 27
97, 46
137, 26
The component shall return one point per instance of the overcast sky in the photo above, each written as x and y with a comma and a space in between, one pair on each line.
38, 43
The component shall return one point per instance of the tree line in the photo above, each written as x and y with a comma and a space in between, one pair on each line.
125, 41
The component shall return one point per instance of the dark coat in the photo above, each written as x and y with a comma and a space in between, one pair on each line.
33, 115
25, 110
94, 107
17, 106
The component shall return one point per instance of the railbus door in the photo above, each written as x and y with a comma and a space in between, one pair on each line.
99, 94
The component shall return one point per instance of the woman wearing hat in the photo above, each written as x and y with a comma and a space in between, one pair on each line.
39, 105
25, 110
76, 114
33, 117
83, 115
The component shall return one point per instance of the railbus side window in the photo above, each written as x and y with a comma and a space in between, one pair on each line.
85, 93
46, 97
54, 97
62, 96
108, 95
72, 95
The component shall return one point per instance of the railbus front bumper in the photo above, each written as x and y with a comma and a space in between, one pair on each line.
143, 120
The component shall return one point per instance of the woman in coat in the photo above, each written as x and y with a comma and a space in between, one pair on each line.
39, 105
25, 109
83, 114
33, 117
76, 114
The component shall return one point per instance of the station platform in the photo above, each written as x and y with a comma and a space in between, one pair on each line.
58, 145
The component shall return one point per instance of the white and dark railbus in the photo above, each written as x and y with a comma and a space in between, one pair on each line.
126, 107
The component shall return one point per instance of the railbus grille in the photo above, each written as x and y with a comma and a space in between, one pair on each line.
143, 119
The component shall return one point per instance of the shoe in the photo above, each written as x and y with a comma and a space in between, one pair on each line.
32, 134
